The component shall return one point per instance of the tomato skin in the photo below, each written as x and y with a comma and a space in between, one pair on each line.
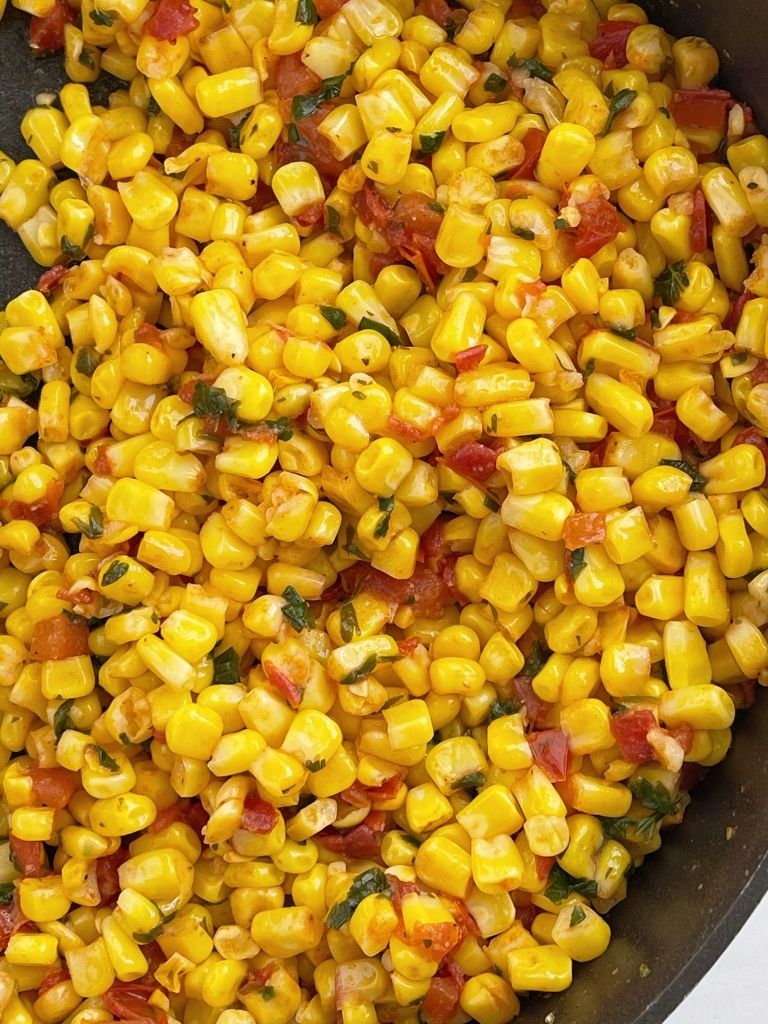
258, 815
699, 233
544, 865
731, 322
59, 637
700, 108
760, 373
533, 143
360, 843
598, 226
311, 145
53, 977
325, 8
129, 1001
52, 787
550, 752
409, 646
441, 1001
107, 877
293, 77
28, 854
473, 460
470, 358
312, 215
584, 528
360, 796
281, 682
171, 19
536, 710
610, 45
47, 32
51, 279
42, 512
751, 435
630, 730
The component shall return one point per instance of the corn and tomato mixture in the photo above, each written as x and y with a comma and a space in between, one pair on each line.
383, 548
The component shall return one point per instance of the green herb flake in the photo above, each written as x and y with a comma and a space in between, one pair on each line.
234, 133
71, 249
534, 67
226, 667
334, 316
7, 891
209, 401
386, 507
149, 936
671, 284
367, 324
495, 83
437, 207
293, 133
431, 143
61, 718
86, 59
501, 708
623, 332
315, 766
93, 526
362, 670
306, 13
114, 572
494, 422
105, 761
334, 217
739, 358
267, 993
699, 481
86, 360
350, 627
577, 916
665, 112
153, 107
104, 18
655, 796
368, 882
561, 885
536, 660
310, 103
472, 780
561, 224
297, 611
490, 503
524, 233
576, 562
351, 547
282, 428
623, 99
411, 840
125, 739
589, 369
645, 971
373, 166
20, 386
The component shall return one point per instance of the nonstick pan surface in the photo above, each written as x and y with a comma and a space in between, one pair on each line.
689, 900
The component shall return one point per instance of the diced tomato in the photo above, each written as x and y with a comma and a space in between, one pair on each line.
446, 570
51, 279
598, 226
154, 956
150, 334
107, 875
610, 44
191, 812
372, 208
179, 142
170, 20
311, 215
11, 920
473, 460
258, 815
470, 358
360, 843
435, 941
54, 977
683, 317
533, 143
760, 373
47, 32
526, 9
130, 1001
42, 512
28, 855
699, 233
82, 596
281, 682
537, 711
408, 431
441, 1001
751, 435
400, 889
544, 865
360, 796
259, 976
584, 528
311, 145
293, 77
52, 787
665, 422
731, 322
409, 646
59, 637
441, 12
630, 729
700, 108
433, 545
527, 915
550, 752
683, 733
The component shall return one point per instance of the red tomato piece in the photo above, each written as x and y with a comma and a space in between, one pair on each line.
731, 322
442, 999
470, 358
533, 143
665, 422
544, 865
293, 77
58, 637
610, 44
359, 795
47, 32
356, 794
171, 19
435, 941
433, 545
42, 512
536, 710
550, 752
107, 875
149, 334
28, 854
699, 232
310, 216
258, 815
84, 596
630, 730
584, 528
751, 435
11, 920
311, 145
441, 12
259, 976
400, 889
409, 646
281, 682
760, 373
473, 460
700, 108
408, 431
326, 8
52, 787
51, 279
360, 843
130, 1001
683, 733
54, 977
526, 9
372, 208
598, 226
527, 915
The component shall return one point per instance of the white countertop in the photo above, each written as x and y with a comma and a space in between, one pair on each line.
735, 991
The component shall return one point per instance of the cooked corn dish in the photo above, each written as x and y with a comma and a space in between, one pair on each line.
383, 548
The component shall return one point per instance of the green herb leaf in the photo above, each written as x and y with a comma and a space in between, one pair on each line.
350, 627
490, 502
431, 143
655, 319
7, 891
534, 67
473, 780
589, 369
576, 562
739, 358
149, 936
208, 401
387, 507
500, 708
310, 103
371, 881
351, 546
671, 284
125, 739
293, 133
634, 829
19, 385
495, 83
623, 332
561, 224
561, 885
334, 316
367, 324
71, 249
623, 99
105, 18
334, 219
315, 766
437, 207
412, 840
234, 132
93, 526
297, 611
153, 107
577, 916
86, 360
226, 667
525, 233
115, 571
362, 670
282, 427
306, 13
105, 761
86, 59
61, 718
536, 660
699, 481
655, 796
267, 993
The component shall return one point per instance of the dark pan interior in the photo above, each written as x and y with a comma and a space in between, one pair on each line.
692, 897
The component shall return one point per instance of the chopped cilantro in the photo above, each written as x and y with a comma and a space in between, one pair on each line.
306, 13
226, 667
86, 360
472, 780
561, 885
296, 610
577, 916
671, 284
387, 507
350, 627
114, 572
623, 99
534, 67
699, 481
495, 83
334, 316
61, 718
500, 708
525, 233
372, 880
431, 143
105, 761
208, 401
536, 660
310, 103
576, 562
93, 526
315, 766
367, 324
105, 18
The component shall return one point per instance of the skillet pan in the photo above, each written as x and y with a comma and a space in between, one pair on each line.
691, 898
